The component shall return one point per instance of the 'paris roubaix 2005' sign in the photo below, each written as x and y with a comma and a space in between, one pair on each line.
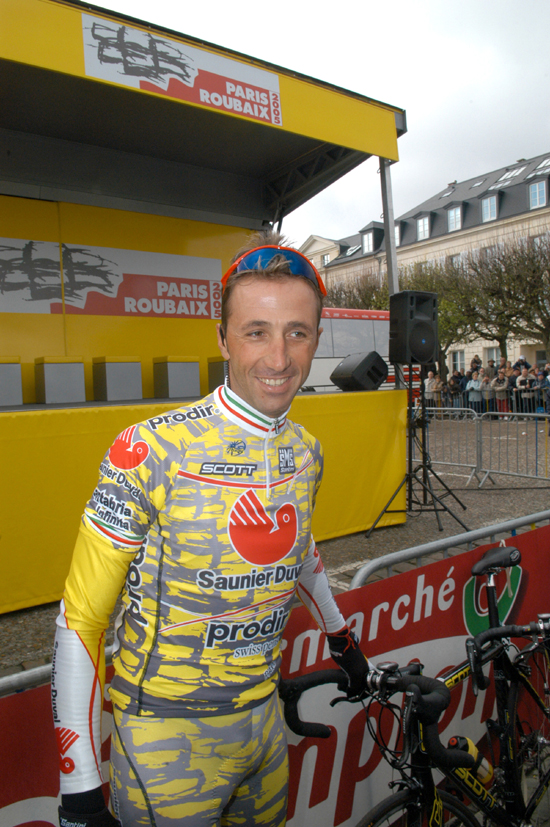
144, 60
39, 277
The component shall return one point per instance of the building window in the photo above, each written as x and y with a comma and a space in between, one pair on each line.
351, 250
512, 173
325, 259
422, 228
489, 208
492, 353
454, 219
457, 360
367, 243
456, 260
537, 195
397, 235
540, 358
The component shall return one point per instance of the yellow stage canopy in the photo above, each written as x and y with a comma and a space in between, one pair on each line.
105, 110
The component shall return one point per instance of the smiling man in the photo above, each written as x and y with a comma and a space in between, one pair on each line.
202, 517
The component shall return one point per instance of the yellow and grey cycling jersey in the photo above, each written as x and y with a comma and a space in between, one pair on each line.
203, 516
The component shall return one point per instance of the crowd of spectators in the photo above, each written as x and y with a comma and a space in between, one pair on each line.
511, 389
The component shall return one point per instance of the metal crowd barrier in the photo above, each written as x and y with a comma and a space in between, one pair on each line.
490, 401
489, 534
513, 444
31, 678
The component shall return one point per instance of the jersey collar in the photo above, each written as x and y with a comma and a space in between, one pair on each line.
243, 414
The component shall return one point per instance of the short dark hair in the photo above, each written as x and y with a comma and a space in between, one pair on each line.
277, 270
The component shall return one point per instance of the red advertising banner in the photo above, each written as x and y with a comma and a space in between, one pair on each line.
424, 615
142, 60
139, 295
106, 281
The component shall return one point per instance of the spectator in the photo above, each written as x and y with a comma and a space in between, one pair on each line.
509, 369
491, 370
543, 383
522, 363
455, 389
487, 392
438, 389
513, 391
502, 363
500, 387
526, 387
474, 392
429, 389
475, 364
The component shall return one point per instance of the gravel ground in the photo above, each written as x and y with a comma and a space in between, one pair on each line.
26, 636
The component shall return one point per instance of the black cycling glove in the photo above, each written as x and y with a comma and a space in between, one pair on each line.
86, 810
345, 651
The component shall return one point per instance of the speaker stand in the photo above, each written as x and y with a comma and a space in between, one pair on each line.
420, 474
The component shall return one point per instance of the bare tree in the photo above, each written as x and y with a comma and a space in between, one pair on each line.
528, 288
484, 290
454, 324
366, 292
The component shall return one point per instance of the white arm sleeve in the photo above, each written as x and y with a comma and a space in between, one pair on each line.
77, 702
314, 592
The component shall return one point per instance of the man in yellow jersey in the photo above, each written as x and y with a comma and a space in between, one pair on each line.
202, 517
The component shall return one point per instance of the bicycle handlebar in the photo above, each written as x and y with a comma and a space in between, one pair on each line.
290, 691
475, 644
429, 698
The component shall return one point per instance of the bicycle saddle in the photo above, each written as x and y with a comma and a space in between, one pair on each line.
502, 557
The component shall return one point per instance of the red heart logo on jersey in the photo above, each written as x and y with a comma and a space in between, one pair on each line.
256, 536
126, 456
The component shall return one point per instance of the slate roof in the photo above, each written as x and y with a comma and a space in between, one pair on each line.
510, 185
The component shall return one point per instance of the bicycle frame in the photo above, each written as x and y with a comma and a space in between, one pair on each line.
506, 674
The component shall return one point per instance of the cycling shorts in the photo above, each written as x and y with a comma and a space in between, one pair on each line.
200, 772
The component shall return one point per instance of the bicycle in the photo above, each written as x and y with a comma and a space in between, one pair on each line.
509, 796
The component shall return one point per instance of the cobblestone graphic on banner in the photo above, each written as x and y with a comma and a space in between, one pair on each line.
30, 275
105, 281
142, 60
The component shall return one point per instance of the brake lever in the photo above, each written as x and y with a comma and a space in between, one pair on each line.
405, 728
339, 699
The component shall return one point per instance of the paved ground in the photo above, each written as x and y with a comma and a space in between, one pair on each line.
26, 637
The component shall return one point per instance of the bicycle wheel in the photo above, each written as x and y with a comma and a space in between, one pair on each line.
531, 744
398, 810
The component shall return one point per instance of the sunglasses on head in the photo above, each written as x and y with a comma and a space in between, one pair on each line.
259, 258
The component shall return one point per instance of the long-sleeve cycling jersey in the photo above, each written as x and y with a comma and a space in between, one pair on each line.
203, 517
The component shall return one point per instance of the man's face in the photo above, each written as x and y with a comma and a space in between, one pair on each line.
525, 372
271, 338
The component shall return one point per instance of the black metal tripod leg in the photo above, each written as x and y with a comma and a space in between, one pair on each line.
386, 507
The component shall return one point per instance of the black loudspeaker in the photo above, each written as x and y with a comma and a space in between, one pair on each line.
360, 372
413, 327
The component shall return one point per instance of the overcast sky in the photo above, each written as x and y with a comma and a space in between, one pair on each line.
473, 76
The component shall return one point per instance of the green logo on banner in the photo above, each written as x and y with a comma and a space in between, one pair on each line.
475, 618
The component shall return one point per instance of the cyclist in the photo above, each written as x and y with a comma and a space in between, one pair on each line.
203, 517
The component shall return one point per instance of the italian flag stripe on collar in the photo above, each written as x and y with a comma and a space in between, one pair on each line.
239, 412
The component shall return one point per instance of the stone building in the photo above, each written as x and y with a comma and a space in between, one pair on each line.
496, 207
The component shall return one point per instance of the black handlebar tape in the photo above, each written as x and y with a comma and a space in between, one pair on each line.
441, 756
504, 631
290, 691
433, 697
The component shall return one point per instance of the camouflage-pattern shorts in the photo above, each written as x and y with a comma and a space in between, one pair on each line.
201, 772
